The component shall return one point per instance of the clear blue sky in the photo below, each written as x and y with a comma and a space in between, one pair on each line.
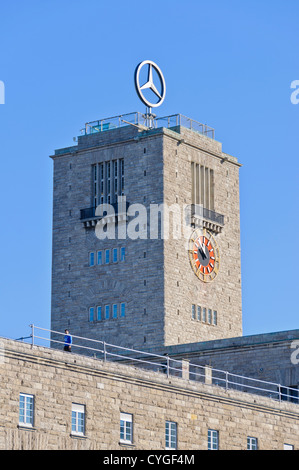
227, 64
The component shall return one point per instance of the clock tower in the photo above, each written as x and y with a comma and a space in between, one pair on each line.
146, 231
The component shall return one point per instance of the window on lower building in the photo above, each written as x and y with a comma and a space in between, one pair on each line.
115, 255
204, 314
107, 256
215, 317
252, 443
126, 428
288, 447
26, 410
78, 419
213, 439
122, 253
170, 435
209, 316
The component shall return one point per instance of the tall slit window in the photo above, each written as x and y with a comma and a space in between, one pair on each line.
95, 184
202, 185
101, 178
122, 172
115, 179
108, 180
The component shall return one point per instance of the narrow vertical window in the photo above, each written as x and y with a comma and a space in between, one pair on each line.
115, 180
115, 255
99, 313
91, 259
107, 256
91, 314
108, 182
102, 184
100, 257
122, 253
78, 419
198, 312
122, 309
204, 314
95, 185
122, 173
215, 317
170, 435
213, 439
126, 428
197, 185
114, 311
209, 316
193, 311
107, 312
192, 183
26, 410
212, 205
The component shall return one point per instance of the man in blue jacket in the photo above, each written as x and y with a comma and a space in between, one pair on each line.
67, 341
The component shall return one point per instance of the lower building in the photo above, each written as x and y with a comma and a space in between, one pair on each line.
54, 400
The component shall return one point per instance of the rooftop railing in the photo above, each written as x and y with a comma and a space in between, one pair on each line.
143, 120
163, 364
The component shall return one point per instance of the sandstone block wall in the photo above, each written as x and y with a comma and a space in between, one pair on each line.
57, 379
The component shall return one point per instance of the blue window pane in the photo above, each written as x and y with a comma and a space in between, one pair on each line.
107, 312
128, 431
114, 313
122, 253
81, 423
22, 409
193, 311
26, 409
107, 256
100, 257
115, 255
122, 309
91, 259
91, 314
122, 429
73, 421
99, 313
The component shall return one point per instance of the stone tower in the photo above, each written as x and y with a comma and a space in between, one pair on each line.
160, 263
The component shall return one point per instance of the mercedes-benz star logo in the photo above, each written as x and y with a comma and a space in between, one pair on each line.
150, 83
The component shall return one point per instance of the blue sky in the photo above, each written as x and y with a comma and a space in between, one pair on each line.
227, 64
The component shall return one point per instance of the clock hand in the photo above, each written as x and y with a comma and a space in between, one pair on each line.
201, 249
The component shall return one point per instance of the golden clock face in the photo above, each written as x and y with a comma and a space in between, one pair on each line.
204, 255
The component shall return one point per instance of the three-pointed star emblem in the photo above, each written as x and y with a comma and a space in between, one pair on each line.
149, 84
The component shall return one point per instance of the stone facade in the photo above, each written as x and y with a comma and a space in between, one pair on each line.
155, 281
58, 379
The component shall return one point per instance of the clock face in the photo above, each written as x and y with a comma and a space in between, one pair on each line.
204, 255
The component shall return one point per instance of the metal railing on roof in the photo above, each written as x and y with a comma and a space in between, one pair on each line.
142, 121
167, 365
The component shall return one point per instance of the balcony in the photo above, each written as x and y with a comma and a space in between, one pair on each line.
211, 220
117, 212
